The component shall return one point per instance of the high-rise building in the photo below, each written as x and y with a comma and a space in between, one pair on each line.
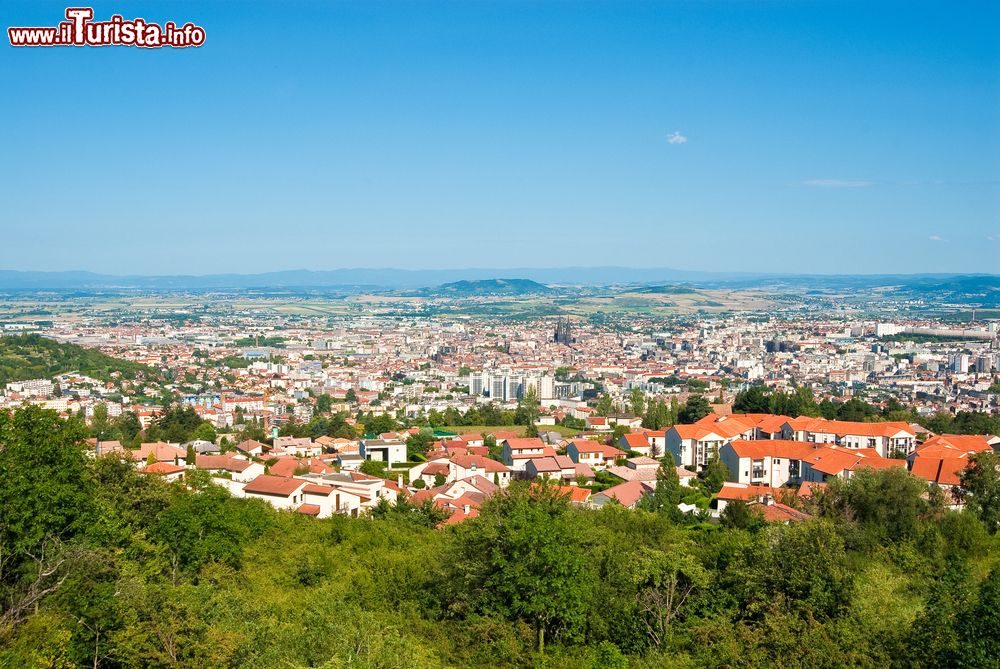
476, 385
959, 363
984, 364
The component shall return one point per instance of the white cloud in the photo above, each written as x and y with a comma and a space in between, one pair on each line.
676, 138
993, 238
937, 238
837, 183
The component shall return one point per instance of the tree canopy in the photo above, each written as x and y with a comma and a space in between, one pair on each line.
104, 566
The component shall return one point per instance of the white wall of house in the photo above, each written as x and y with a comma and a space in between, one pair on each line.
292, 501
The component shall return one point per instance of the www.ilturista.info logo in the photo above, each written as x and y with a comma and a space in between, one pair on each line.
80, 30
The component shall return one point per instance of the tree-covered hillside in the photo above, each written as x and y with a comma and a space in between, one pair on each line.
102, 567
33, 357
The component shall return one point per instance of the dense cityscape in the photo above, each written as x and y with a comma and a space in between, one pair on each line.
702, 420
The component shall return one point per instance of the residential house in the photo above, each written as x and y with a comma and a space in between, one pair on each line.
694, 445
631, 422
461, 499
556, 467
595, 454
330, 500
627, 494
829, 462
743, 492
289, 466
577, 496
637, 469
465, 466
161, 452
943, 458
884, 438
166, 470
281, 492
770, 462
430, 470
238, 469
388, 451
598, 423
251, 448
301, 447
349, 461
516, 452
639, 442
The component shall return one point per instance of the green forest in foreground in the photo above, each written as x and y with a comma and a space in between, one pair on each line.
102, 567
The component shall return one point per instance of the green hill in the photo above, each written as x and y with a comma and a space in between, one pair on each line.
665, 290
35, 357
490, 287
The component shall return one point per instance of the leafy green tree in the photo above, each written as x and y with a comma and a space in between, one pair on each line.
934, 640
716, 473
493, 448
204, 432
981, 480
808, 567
128, 427
523, 558
100, 425
655, 416
324, 403
424, 514
888, 503
252, 430
667, 493
978, 626
605, 406
178, 423
752, 400
380, 424
210, 526
617, 433
419, 442
46, 501
373, 468
741, 516
665, 581
637, 402
696, 408
527, 408
855, 409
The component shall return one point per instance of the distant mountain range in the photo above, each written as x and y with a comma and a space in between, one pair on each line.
984, 289
350, 278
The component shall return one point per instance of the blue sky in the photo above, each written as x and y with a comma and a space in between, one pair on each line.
828, 137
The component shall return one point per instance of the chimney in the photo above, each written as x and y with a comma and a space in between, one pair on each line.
399, 480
